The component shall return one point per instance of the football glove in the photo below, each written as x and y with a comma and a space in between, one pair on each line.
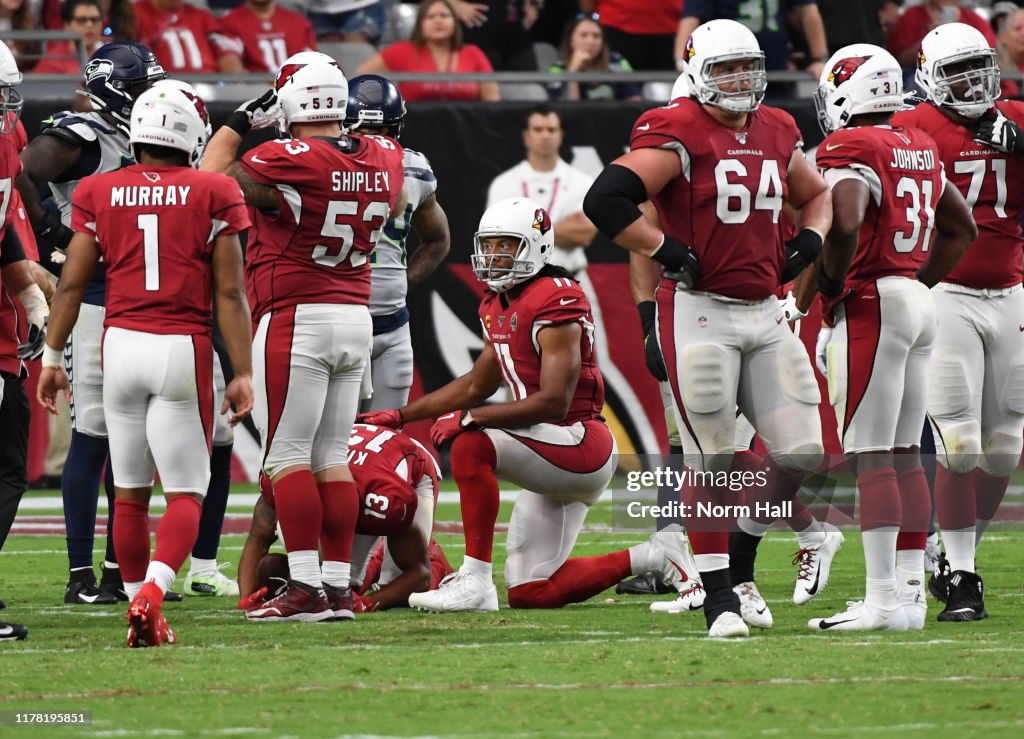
447, 427
391, 419
254, 600
999, 132
821, 350
789, 308
652, 352
37, 312
801, 250
53, 232
679, 260
260, 112
362, 604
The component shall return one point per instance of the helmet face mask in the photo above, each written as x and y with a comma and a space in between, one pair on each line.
517, 222
958, 70
12, 101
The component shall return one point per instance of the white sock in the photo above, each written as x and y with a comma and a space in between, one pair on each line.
638, 556
161, 575
304, 566
980, 525
336, 574
911, 560
880, 565
752, 527
203, 566
478, 568
131, 589
959, 548
909, 585
711, 562
812, 536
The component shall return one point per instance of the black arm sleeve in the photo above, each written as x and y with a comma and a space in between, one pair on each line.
611, 203
12, 250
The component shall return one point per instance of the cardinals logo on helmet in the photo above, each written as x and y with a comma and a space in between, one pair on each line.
921, 59
845, 68
285, 73
541, 221
690, 51
200, 106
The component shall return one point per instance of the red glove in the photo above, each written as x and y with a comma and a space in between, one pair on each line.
253, 600
388, 419
447, 427
362, 604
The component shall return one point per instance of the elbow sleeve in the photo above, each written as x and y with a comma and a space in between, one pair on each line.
611, 203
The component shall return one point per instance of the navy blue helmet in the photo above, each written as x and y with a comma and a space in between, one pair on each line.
374, 101
117, 73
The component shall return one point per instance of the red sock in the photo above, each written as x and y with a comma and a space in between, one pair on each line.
131, 538
955, 500
473, 462
915, 509
575, 581
177, 531
299, 511
879, 498
990, 491
340, 503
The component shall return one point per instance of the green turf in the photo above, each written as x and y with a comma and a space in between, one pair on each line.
599, 669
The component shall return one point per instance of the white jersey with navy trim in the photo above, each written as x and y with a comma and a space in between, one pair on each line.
389, 259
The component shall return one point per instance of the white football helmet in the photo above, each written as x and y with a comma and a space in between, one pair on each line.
970, 92
859, 78
190, 92
522, 219
723, 41
167, 116
311, 88
12, 103
681, 87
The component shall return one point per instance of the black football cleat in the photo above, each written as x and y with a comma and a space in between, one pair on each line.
966, 598
173, 596
85, 592
112, 584
644, 585
2, 605
12, 632
938, 583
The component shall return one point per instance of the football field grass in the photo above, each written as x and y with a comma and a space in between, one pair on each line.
605, 668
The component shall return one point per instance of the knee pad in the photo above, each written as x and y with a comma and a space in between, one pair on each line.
1012, 393
1000, 453
795, 374
706, 378
472, 450
949, 393
961, 444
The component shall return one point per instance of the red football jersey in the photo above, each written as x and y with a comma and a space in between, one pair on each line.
904, 175
727, 203
387, 467
156, 227
992, 183
10, 325
512, 328
267, 42
186, 39
336, 195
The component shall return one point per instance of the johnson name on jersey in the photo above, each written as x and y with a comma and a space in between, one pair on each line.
389, 259
992, 183
512, 330
727, 203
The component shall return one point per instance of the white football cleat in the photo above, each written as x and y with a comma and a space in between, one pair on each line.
752, 606
211, 583
860, 616
813, 565
691, 598
728, 625
668, 557
459, 591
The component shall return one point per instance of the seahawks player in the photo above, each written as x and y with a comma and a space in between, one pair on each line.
375, 106
70, 147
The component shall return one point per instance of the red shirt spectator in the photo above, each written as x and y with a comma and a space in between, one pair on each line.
905, 38
186, 38
407, 57
269, 34
84, 17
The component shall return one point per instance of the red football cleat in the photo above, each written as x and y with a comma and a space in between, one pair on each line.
299, 602
147, 626
341, 603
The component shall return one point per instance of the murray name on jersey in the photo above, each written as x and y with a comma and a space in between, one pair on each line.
132, 196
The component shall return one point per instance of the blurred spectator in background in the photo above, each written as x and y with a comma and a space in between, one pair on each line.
554, 16
861, 21
84, 17
1010, 49
436, 46
16, 15
120, 15
767, 21
348, 20
904, 40
186, 39
584, 50
501, 29
643, 31
269, 34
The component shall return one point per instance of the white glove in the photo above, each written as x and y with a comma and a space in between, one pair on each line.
789, 309
36, 311
821, 350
